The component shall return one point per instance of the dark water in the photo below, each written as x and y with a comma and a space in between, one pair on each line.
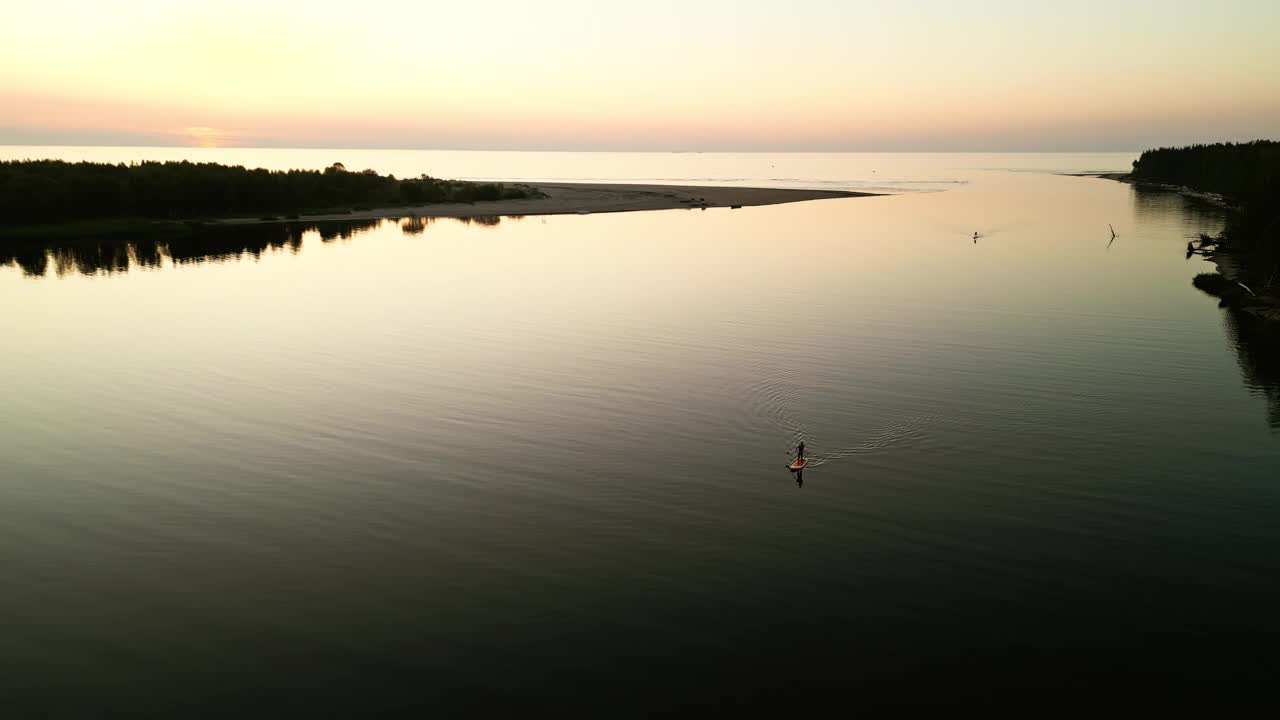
536, 465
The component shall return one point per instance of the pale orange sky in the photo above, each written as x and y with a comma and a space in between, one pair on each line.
795, 75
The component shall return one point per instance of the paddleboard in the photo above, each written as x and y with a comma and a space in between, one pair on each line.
798, 464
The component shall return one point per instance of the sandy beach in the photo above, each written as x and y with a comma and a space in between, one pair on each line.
587, 198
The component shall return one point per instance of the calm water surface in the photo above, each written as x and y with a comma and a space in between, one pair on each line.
535, 464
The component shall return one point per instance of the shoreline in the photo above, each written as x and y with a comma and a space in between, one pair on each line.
1129, 179
581, 199
1264, 308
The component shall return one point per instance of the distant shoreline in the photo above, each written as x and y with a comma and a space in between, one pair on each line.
1132, 180
582, 199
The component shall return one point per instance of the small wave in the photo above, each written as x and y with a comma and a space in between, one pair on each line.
908, 431
771, 397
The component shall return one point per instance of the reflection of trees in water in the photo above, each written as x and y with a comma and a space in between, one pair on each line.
32, 262
482, 220
101, 258
210, 244
1257, 346
417, 225
342, 230
1154, 205
216, 243
231, 243
1258, 352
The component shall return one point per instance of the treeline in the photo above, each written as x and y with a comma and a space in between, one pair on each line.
53, 191
1246, 173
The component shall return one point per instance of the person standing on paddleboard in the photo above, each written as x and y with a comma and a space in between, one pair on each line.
800, 451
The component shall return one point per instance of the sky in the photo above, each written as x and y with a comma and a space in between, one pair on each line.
741, 75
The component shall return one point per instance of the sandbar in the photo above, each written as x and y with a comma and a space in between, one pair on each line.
590, 198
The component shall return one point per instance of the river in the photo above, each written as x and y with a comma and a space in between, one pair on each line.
528, 464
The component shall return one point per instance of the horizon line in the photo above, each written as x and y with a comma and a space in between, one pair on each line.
597, 150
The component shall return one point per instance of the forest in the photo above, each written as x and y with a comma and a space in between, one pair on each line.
39, 192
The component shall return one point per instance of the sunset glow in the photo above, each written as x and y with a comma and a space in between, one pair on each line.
669, 76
